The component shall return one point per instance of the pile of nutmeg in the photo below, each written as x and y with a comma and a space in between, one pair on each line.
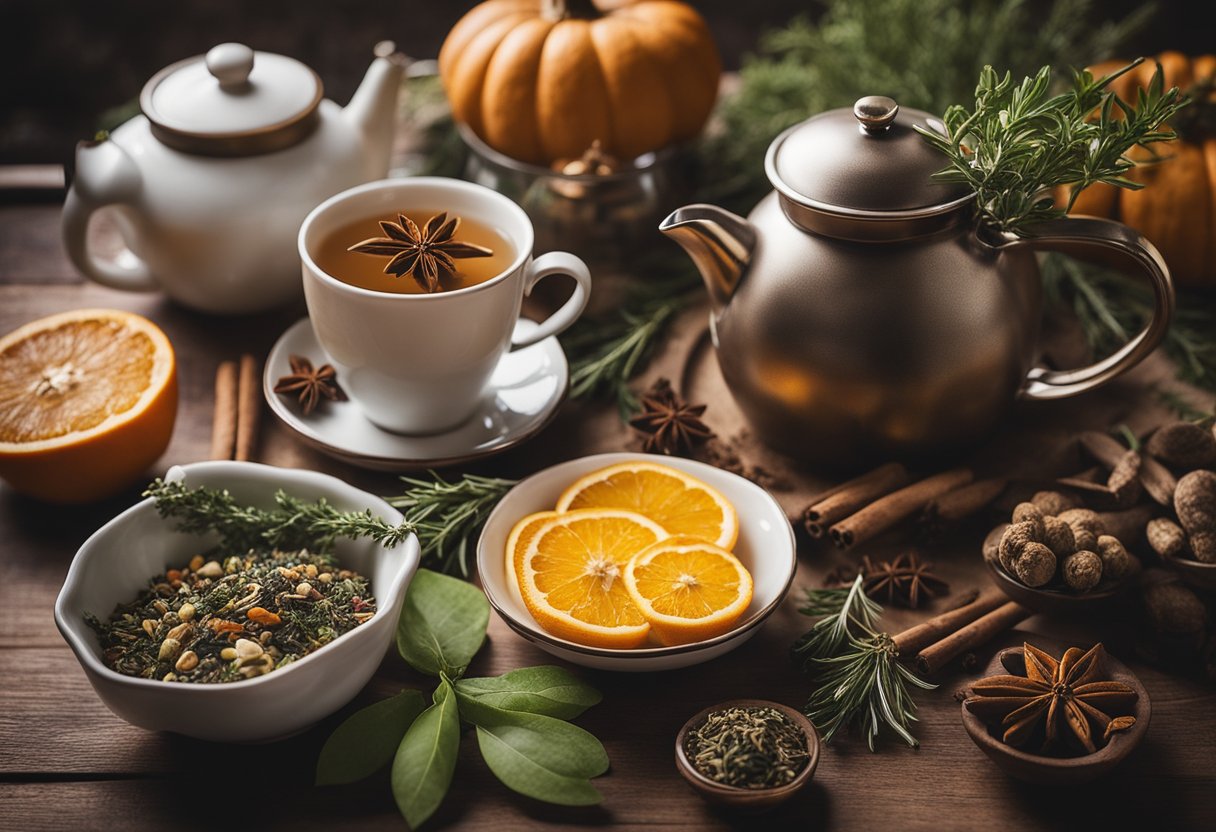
1190, 450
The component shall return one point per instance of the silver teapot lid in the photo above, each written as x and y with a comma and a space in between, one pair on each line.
867, 163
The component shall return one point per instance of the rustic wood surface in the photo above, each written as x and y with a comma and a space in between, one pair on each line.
67, 763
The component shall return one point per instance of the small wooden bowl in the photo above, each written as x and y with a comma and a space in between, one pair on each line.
1056, 601
1038, 768
1198, 574
735, 797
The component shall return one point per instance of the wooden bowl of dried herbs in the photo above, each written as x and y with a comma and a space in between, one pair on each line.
1056, 716
747, 754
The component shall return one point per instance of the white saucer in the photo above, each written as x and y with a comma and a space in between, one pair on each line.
523, 395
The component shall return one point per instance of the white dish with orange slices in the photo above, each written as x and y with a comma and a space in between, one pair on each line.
614, 551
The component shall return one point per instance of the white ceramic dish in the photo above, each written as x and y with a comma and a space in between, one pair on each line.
766, 547
115, 563
522, 397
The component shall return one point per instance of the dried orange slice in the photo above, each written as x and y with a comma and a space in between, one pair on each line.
688, 590
87, 402
679, 502
570, 575
517, 543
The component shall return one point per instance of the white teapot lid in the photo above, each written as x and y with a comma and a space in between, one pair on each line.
232, 101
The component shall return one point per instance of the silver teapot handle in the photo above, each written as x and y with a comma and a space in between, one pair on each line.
1116, 245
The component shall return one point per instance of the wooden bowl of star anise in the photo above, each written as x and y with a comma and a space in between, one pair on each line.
1056, 716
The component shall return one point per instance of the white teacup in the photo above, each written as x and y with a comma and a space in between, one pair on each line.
419, 363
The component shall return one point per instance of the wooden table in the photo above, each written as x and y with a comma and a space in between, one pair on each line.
67, 763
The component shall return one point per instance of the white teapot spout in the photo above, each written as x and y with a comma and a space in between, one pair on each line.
372, 110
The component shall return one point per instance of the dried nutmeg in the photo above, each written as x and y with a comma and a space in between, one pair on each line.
992, 543
1195, 504
1086, 527
1166, 537
1124, 480
1058, 537
1036, 565
1053, 503
1029, 513
1117, 562
1082, 571
1015, 539
1183, 445
1174, 610
1203, 545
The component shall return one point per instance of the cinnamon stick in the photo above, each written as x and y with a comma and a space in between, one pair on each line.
896, 506
223, 425
248, 411
915, 639
936, 656
847, 498
961, 503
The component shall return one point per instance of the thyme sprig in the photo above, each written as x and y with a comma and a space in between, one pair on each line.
859, 679
447, 516
292, 524
1020, 141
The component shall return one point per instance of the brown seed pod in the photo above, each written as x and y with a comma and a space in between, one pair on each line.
1029, 513
1124, 480
1058, 537
1166, 537
1203, 544
1015, 539
1174, 610
1082, 571
1035, 566
1085, 525
1157, 480
1128, 524
1183, 445
992, 543
1117, 562
1195, 502
1052, 503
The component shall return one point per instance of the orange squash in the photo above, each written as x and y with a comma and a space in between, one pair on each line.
540, 80
1176, 209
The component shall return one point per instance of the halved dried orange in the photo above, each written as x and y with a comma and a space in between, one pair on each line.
570, 575
679, 502
87, 402
688, 590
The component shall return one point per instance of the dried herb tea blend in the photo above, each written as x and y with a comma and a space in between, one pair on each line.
750, 748
415, 252
214, 621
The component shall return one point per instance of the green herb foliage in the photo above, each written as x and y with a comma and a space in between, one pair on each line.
858, 678
449, 515
1020, 141
520, 717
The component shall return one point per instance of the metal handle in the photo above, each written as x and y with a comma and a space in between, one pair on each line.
1116, 245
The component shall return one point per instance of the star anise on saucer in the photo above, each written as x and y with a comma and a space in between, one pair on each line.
311, 386
1065, 705
425, 253
905, 580
670, 424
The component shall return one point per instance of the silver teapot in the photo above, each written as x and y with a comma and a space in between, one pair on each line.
860, 311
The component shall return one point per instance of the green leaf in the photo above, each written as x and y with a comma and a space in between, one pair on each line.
366, 741
547, 690
538, 756
426, 758
442, 625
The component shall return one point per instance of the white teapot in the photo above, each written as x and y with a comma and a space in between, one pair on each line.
209, 186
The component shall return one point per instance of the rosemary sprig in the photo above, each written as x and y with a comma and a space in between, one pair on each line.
447, 516
860, 679
1019, 142
291, 525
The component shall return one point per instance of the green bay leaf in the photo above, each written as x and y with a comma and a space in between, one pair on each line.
546, 690
442, 625
367, 740
426, 758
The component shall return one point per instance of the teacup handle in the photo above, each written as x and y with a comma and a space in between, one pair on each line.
555, 262
1114, 244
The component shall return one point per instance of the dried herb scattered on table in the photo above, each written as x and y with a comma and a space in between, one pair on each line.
751, 748
671, 425
312, 386
213, 621
425, 253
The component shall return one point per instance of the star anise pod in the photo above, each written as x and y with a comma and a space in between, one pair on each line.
1063, 705
905, 580
425, 253
312, 386
670, 424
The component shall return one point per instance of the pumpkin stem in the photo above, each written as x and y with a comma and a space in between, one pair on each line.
563, 9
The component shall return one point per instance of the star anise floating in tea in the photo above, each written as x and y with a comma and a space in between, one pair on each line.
670, 424
425, 253
311, 385
1065, 706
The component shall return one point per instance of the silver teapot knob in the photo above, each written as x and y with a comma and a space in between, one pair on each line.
231, 64
876, 113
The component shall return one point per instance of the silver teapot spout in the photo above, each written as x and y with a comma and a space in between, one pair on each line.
720, 244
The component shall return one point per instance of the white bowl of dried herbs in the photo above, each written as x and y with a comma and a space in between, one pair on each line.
238, 602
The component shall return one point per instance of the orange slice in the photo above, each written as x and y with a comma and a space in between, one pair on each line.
87, 402
688, 590
679, 502
517, 543
570, 575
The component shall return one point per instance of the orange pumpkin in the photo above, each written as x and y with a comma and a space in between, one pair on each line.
540, 80
1176, 209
